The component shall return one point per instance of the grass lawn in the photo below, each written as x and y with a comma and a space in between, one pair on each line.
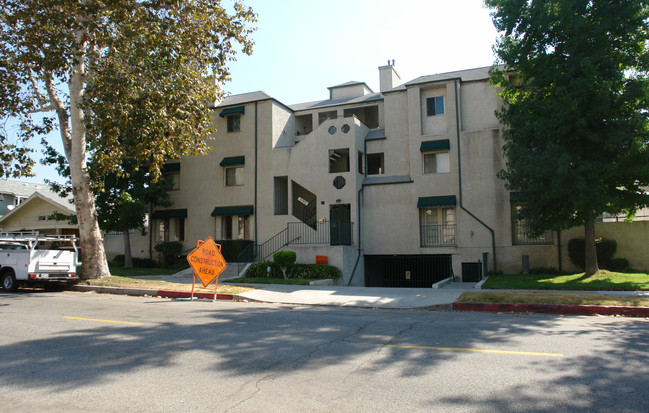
552, 298
130, 282
131, 272
269, 280
604, 281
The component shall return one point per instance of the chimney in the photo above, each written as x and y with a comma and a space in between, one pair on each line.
389, 77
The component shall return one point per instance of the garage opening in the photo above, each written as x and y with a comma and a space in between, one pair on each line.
407, 271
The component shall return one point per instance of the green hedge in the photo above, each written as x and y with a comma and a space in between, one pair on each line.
605, 249
169, 251
618, 265
306, 271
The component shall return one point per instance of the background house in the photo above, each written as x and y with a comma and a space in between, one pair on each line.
30, 207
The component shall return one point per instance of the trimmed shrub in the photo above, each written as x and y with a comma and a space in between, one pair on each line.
118, 260
260, 269
284, 259
618, 265
169, 251
314, 271
305, 271
144, 263
605, 249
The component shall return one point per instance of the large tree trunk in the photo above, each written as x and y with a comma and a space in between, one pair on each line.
73, 133
128, 259
591, 266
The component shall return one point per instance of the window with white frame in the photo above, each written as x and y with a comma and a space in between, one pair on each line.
234, 175
436, 162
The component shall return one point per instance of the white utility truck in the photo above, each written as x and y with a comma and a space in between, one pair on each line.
33, 258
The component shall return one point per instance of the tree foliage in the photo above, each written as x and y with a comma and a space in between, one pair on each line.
124, 81
574, 82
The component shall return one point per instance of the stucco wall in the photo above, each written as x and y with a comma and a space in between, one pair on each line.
114, 245
632, 242
27, 218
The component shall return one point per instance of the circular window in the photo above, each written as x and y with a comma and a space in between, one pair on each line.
332, 130
345, 128
339, 182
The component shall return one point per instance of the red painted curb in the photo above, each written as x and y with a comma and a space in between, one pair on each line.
183, 294
554, 309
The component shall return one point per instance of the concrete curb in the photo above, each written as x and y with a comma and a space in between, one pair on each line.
150, 293
554, 309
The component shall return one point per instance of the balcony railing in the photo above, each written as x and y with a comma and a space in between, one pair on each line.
437, 235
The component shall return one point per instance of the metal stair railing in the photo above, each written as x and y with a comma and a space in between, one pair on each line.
254, 253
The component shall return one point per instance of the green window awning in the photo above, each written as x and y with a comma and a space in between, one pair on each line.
170, 213
436, 201
238, 110
171, 167
429, 146
229, 211
233, 160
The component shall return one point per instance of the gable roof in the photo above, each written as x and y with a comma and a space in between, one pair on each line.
56, 201
19, 188
337, 102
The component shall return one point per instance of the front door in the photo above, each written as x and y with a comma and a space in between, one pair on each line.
340, 224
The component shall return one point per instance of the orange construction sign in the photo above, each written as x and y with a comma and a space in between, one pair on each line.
207, 261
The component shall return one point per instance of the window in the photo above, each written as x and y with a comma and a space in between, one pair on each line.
520, 231
234, 176
171, 172
437, 226
234, 123
360, 162
435, 106
234, 227
338, 160
436, 162
174, 179
171, 229
281, 195
375, 164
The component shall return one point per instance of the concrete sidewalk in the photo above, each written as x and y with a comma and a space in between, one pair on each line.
443, 298
369, 297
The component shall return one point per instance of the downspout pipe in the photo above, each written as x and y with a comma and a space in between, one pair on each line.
459, 167
256, 151
358, 211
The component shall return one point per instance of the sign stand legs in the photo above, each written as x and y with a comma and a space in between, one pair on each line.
193, 283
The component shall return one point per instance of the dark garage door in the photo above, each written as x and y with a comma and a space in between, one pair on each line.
410, 271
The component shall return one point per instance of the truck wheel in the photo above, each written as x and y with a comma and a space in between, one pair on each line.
9, 281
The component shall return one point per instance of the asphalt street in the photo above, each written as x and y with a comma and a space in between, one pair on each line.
74, 351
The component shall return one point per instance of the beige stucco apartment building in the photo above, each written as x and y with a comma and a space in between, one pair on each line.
397, 187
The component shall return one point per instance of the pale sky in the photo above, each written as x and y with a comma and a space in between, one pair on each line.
303, 47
